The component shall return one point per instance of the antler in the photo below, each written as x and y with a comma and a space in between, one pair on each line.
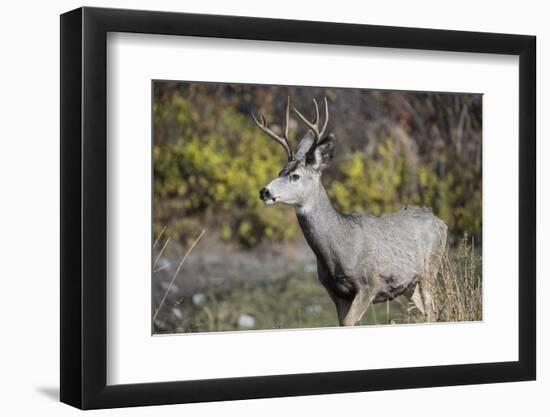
262, 124
314, 126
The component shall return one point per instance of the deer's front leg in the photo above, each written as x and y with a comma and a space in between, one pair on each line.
342, 308
363, 299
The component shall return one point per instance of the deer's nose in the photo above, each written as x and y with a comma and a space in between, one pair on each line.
265, 194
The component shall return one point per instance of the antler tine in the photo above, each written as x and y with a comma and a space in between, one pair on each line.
316, 120
259, 123
326, 120
283, 141
314, 126
287, 117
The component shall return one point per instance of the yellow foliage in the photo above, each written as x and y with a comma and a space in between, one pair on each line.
217, 175
210, 162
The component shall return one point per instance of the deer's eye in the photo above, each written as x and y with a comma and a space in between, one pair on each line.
294, 177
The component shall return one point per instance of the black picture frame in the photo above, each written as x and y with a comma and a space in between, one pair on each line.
84, 207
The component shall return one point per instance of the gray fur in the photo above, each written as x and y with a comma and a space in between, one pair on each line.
361, 258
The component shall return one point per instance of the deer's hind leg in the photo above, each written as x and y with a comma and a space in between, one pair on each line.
425, 288
428, 283
416, 299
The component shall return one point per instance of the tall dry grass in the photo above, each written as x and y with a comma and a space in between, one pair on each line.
458, 289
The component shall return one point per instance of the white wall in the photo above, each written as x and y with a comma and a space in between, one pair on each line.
29, 214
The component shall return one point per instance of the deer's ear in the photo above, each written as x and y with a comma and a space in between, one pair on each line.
323, 154
304, 145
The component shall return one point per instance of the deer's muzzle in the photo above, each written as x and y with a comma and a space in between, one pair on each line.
266, 196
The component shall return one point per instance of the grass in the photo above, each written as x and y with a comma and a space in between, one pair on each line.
297, 300
458, 293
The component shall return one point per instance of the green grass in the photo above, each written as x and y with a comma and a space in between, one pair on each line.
292, 301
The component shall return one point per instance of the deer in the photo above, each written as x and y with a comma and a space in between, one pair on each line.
361, 258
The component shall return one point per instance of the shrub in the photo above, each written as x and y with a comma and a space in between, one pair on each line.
210, 161
214, 176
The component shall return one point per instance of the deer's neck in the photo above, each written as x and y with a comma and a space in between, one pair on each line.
322, 225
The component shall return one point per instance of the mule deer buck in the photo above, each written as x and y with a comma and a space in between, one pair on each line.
361, 259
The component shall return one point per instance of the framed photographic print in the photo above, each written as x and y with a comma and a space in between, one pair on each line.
257, 208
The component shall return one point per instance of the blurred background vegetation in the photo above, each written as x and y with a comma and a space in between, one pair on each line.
392, 149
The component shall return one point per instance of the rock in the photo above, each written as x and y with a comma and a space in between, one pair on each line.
198, 298
314, 309
177, 312
246, 321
